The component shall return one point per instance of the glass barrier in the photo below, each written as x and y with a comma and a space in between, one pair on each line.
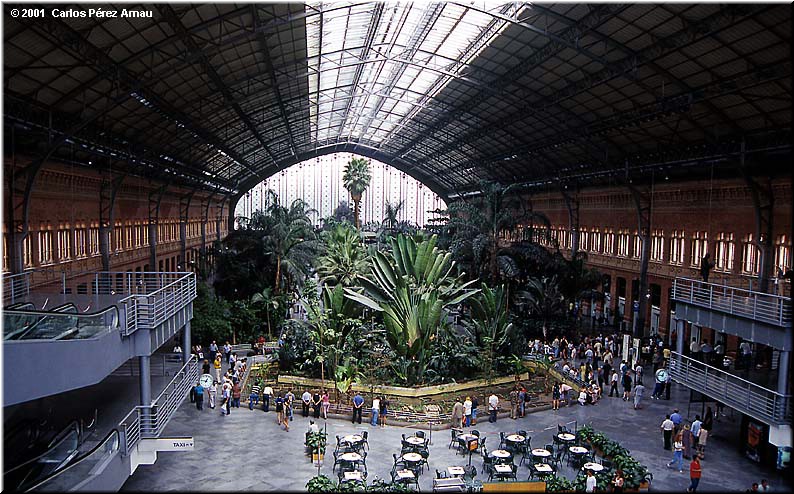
63, 323
80, 469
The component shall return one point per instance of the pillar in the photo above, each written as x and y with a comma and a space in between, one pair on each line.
679, 340
186, 342
145, 380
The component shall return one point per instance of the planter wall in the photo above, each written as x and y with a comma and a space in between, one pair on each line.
418, 392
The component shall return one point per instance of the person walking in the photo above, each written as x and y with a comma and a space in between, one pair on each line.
306, 400
677, 421
590, 482
667, 431
227, 352
467, 411
457, 413
613, 381
686, 435
237, 393
493, 406
279, 409
639, 392
226, 398
213, 391
384, 410
217, 364
678, 453
326, 404
316, 401
618, 481
267, 393
626, 386
514, 403
199, 396
474, 404
696, 430
358, 403
253, 398
555, 396
289, 404
375, 411
695, 471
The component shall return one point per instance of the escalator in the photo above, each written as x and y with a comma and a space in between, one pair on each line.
33, 325
47, 458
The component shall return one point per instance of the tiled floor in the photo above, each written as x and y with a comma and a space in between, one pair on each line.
247, 450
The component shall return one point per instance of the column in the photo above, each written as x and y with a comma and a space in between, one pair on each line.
145, 379
186, 342
679, 341
782, 372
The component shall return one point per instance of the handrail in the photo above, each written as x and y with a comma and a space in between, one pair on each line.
150, 420
112, 434
54, 443
759, 306
750, 398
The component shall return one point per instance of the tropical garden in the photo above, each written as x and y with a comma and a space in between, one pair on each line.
380, 300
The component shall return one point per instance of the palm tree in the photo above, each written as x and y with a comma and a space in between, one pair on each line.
390, 214
291, 239
543, 298
344, 258
414, 290
356, 179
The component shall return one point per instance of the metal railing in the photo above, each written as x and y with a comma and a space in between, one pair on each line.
16, 287
758, 306
150, 309
764, 404
150, 421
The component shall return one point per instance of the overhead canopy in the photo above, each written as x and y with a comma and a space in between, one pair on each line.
221, 96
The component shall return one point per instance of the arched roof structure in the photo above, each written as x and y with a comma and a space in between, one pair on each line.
220, 96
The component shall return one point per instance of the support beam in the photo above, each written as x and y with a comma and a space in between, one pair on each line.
186, 343
643, 203
107, 205
145, 380
679, 338
155, 197
572, 202
763, 203
184, 213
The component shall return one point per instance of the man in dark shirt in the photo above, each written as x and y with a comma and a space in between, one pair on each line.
358, 404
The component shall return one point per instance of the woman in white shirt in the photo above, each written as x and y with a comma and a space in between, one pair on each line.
582, 397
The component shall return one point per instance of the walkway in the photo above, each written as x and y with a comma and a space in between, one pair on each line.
247, 450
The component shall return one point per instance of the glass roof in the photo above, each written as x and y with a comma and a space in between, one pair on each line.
387, 61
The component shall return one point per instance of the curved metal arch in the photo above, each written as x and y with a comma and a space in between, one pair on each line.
362, 150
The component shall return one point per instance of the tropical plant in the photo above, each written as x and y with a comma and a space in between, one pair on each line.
413, 290
210, 316
489, 325
290, 238
270, 303
356, 178
321, 483
332, 321
391, 213
543, 299
345, 257
316, 442
558, 484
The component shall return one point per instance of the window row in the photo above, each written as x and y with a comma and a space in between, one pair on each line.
676, 248
48, 246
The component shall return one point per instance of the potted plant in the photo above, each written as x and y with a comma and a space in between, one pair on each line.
320, 483
316, 443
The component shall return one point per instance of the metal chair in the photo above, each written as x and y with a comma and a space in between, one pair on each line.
454, 433
502, 440
507, 475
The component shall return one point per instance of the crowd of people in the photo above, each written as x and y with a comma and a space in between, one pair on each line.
225, 386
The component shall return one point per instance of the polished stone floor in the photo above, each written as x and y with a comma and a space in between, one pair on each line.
248, 451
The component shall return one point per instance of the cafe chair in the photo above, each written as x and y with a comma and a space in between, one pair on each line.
454, 433
441, 475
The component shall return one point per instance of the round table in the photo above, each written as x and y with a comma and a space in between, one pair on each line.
353, 438
565, 437
466, 437
543, 453
350, 457
500, 453
415, 440
593, 466
412, 457
578, 450
515, 438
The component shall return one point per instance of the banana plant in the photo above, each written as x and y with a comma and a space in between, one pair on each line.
413, 288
